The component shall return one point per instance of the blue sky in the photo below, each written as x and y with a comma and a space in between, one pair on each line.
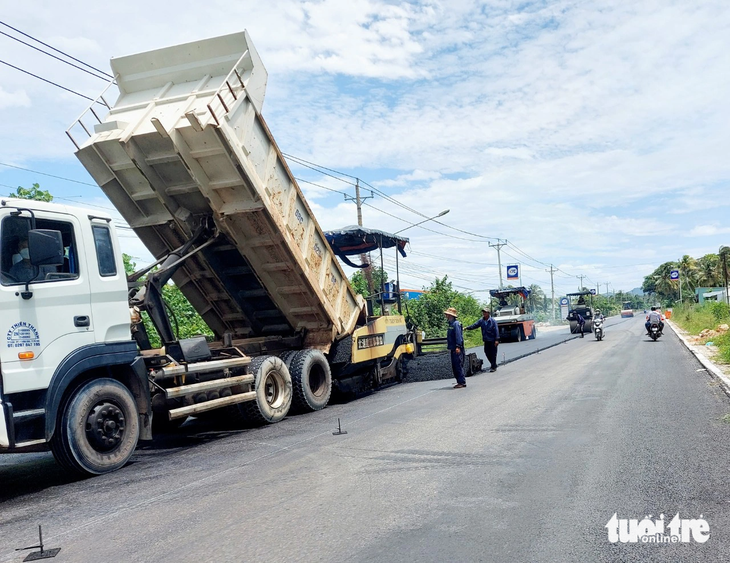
593, 136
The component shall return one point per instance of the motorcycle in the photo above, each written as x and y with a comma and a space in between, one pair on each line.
598, 328
654, 331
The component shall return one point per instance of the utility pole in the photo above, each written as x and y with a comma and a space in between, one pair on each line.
598, 289
723, 255
606, 284
552, 270
498, 245
359, 200
580, 288
368, 272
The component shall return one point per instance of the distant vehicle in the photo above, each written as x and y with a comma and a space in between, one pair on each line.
578, 305
626, 310
515, 322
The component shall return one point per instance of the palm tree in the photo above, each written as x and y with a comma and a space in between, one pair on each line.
536, 298
708, 271
688, 274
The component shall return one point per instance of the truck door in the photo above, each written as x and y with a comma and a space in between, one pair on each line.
39, 332
108, 283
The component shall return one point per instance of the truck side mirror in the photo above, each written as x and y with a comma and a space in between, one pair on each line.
45, 247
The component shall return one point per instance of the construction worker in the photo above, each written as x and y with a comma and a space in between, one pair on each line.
455, 345
490, 337
581, 322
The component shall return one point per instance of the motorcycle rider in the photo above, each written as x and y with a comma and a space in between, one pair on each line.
598, 315
654, 316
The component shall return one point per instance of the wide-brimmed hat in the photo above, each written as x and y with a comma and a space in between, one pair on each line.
485, 310
451, 311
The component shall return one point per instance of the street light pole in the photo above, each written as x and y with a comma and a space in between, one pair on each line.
444, 212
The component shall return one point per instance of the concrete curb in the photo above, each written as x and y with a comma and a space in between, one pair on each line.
714, 371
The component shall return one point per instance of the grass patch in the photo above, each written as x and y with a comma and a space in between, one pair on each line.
695, 318
726, 418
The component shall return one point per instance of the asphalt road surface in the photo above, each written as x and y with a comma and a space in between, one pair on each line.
526, 464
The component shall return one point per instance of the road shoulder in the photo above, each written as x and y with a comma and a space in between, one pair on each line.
700, 352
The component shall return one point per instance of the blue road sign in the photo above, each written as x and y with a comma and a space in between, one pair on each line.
674, 275
513, 272
564, 301
593, 291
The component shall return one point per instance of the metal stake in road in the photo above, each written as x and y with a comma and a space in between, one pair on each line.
43, 553
498, 245
339, 430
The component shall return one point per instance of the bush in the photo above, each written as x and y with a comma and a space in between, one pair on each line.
719, 310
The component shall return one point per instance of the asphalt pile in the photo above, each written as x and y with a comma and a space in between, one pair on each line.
429, 367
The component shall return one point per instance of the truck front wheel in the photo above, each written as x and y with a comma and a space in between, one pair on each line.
99, 428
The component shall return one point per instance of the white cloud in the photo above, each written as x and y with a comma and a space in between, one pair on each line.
708, 230
13, 99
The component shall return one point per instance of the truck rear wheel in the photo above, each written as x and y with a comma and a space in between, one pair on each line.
273, 387
98, 430
311, 380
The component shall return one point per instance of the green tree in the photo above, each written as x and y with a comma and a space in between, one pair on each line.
427, 312
186, 321
360, 284
34, 192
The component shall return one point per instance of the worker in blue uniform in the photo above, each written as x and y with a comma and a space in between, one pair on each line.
455, 345
490, 337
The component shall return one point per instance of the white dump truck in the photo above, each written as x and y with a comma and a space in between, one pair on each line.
186, 157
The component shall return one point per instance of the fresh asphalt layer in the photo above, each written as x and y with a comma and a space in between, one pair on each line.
511, 351
526, 464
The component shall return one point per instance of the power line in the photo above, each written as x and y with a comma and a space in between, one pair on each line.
49, 175
57, 50
321, 186
53, 56
48, 81
331, 173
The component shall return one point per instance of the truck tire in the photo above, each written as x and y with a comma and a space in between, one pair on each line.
273, 387
98, 430
287, 357
518, 334
311, 379
534, 333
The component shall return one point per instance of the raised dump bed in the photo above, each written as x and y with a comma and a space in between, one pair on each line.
184, 144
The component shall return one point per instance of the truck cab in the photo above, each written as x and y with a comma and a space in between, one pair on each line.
56, 314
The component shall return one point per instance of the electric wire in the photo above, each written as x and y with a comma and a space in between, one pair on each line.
54, 56
46, 80
57, 50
